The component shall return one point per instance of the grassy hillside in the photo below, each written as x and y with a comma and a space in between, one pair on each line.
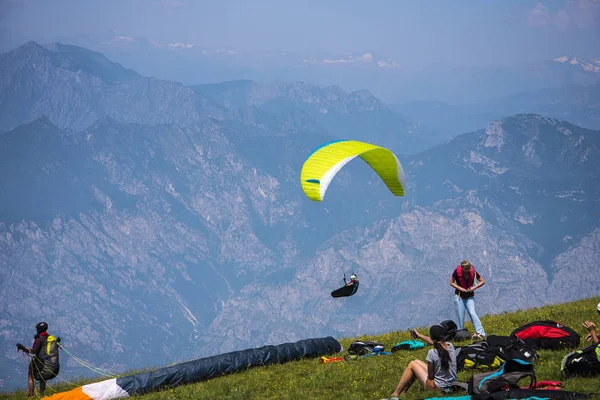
374, 377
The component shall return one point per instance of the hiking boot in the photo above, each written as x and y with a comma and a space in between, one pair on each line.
476, 337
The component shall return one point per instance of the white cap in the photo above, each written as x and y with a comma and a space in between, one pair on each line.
598, 307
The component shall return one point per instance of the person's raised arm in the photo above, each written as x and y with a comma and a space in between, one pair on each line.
591, 327
426, 339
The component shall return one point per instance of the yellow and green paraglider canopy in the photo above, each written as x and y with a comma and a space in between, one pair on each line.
326, 160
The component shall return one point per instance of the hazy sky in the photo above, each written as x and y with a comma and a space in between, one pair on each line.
418, 31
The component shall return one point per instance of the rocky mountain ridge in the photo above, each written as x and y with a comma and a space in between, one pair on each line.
74, 87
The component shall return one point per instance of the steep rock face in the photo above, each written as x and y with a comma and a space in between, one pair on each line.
539, 172
74, 87
575, 271
159, 232
404, 266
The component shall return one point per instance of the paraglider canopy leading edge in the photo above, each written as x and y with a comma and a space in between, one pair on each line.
328, 159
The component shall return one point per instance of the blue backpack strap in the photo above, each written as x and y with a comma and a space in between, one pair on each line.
495, 374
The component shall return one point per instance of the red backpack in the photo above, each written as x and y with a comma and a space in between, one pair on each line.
547, 335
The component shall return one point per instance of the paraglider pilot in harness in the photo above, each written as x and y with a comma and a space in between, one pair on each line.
44, 363
348, 289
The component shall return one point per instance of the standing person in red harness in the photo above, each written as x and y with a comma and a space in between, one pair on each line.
44, 364
463, 280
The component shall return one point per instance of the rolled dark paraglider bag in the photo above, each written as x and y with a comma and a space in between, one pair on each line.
200, 370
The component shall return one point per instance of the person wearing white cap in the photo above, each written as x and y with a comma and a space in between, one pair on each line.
592, 336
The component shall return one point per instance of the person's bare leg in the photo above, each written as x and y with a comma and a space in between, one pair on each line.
420, 370
416, 369
405, 381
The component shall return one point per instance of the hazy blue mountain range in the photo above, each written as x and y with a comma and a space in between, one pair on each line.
464, 85
575, 103
164, 233
394, 80
74, 87
359, 114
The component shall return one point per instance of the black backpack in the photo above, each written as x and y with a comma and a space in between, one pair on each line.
547, 335
510, 347
582, 362
507, 377
477, 355
47, 366
360, 348
461, 335
450, 328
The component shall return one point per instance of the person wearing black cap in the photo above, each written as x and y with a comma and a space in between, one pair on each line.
439, 371
44, 363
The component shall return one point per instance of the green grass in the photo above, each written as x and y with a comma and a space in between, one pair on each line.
376, 377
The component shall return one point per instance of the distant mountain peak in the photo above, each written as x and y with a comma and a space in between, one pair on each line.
494, 135
30, 45
531, 142
27, 49
67, 57
589, 66
180, 45
75, 86
366, 58
127, 39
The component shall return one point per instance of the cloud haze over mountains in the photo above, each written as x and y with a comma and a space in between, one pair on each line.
151, 207
419, 33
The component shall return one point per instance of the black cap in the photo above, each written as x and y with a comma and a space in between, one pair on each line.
41, 327
437, 332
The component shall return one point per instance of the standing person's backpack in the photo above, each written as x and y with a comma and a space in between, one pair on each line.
510, 347
547, 335
477, 355
450, 328
507, 377
47, 366
582, 362
360, 348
